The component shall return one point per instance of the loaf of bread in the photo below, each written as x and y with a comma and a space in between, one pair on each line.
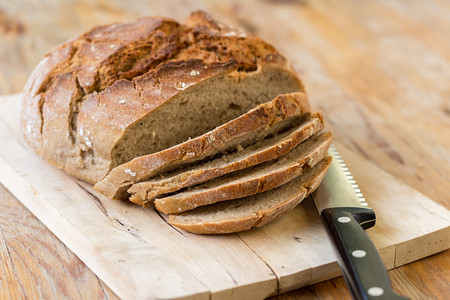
125, 90
180, 115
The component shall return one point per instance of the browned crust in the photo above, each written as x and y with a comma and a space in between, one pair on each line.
236, 188
81, 84
257, 218
117, 182
146, 191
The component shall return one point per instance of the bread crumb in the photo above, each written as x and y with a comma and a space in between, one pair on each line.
122, 101
128, 171
182, 85
239, 148
230, 33
234, 33
29, 129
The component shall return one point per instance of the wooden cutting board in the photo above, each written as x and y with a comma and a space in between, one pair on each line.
139, 255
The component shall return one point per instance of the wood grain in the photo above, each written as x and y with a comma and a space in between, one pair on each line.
379, 70
139, 255
38, 268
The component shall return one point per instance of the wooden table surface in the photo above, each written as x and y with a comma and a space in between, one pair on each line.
380, 71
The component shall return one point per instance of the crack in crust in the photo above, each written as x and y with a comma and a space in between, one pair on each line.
41, 103
75, 105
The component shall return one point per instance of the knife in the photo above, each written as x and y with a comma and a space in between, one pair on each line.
346, 215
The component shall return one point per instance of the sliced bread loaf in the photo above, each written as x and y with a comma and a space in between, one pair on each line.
125, 90
255, 125
258, 179
265, 150
254, 211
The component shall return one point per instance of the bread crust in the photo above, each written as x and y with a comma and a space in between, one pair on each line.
256, 121
85, 95
146, 191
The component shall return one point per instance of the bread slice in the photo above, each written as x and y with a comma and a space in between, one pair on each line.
254, 211
125, 90
255, 125
265, 150
258, 179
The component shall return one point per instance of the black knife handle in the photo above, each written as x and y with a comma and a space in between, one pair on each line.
359, 260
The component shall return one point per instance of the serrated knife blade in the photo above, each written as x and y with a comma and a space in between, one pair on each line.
339, 178
345, 215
